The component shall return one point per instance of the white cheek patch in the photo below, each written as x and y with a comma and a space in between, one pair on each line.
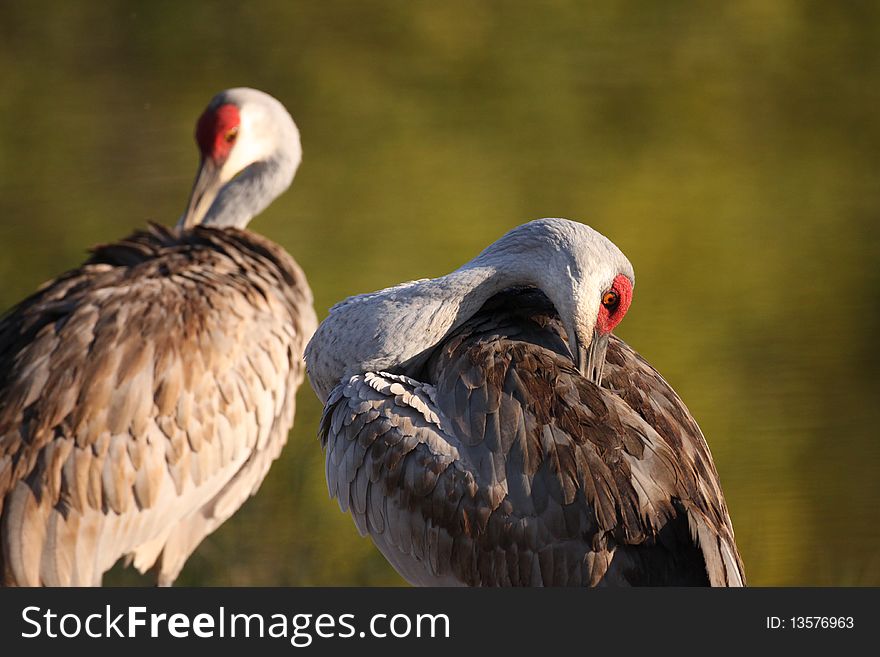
253, 144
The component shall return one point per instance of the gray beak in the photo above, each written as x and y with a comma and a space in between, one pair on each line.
204, 191
591, 360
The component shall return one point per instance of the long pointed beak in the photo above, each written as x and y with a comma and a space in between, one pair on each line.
591, 360
204, 191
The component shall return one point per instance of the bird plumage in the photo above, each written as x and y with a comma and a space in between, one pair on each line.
494, 461
143, 397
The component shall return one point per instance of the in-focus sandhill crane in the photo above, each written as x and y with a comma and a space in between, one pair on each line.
486, 428
144, 395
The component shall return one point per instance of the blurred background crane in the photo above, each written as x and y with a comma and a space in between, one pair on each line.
145, 394
731, 152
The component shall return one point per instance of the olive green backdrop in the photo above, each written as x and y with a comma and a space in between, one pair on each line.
731, 150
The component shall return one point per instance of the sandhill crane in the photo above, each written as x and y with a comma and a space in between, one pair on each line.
144, 395
486, 428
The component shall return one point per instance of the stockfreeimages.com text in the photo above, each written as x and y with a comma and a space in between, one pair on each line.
299, 629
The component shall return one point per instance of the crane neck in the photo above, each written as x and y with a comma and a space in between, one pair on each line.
396, 329
251, 192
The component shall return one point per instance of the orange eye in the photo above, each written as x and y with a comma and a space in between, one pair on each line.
231, 135
611, 300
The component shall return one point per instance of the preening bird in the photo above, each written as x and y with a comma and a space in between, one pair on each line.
144, 395
486, 428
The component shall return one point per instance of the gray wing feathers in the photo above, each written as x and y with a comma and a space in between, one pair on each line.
142, 399
386, 455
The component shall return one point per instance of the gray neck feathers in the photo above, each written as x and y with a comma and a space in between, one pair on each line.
396, 329
250, 192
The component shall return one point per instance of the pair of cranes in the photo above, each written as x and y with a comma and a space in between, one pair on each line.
484, 428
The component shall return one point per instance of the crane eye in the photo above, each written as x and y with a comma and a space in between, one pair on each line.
611, 300
231, 135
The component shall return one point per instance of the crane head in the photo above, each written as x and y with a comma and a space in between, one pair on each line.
240, 129
614, 302
586, 277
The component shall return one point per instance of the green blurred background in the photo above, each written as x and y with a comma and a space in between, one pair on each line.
733, 153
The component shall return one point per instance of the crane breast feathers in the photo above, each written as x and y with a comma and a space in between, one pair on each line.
505, 455
135, 387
